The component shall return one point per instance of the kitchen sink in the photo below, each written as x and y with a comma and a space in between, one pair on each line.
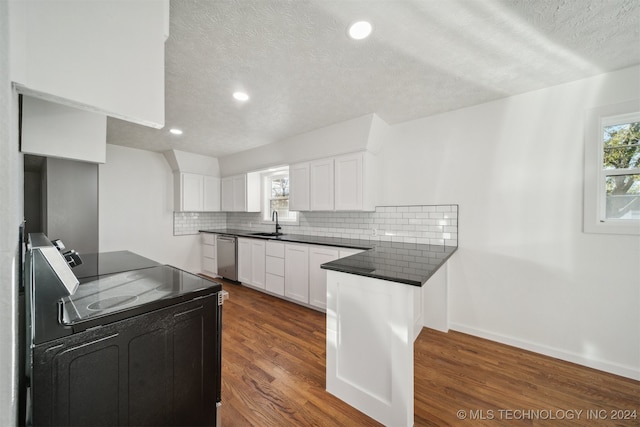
267, 234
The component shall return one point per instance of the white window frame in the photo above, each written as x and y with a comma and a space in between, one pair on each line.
265, 216
595, 220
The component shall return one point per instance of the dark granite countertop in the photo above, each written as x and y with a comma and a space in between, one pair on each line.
408, 263
97, 264
300, 238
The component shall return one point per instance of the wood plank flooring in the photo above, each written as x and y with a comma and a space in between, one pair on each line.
273, 374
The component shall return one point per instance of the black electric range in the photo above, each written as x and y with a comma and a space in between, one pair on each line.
120, 340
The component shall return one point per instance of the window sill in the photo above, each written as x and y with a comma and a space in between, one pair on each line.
631, 228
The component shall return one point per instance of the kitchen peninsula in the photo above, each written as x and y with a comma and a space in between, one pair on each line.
374, 306
374, 314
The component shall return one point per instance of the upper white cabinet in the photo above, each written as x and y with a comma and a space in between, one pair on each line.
241, 193
321, 185
342, 183
196, 193
102, 56
357, 179
226, 194
348, 182
211, 192
299, 187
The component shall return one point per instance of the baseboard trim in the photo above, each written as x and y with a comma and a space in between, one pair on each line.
612, 368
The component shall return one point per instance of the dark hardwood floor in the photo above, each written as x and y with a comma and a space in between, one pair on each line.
273, 374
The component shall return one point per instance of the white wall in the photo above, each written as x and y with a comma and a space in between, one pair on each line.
10, 218
340, 138
181, 161
105, 56
136, 209
54, 130
525, 273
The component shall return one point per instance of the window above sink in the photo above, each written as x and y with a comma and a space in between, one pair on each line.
275, 196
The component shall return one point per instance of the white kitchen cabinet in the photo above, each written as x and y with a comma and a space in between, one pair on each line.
226, 194
343, 183
319, 255
296, 276
251, 262
356, 182
321, 185
196, 193
209, 254
348, 182
211, 190
100, 56
290, 270
244, 260
299, 187
190, 192
241, 193
258, 263
274, 267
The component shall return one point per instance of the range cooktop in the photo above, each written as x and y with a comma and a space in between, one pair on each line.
145, 289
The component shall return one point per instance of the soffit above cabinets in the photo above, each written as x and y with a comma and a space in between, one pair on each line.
424, 57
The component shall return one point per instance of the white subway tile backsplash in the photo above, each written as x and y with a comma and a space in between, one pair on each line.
190, 222
425, 224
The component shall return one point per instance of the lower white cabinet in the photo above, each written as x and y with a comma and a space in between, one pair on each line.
251, 262
209, 254
296, 275
258, 263
290, 270
274, 267
319, 255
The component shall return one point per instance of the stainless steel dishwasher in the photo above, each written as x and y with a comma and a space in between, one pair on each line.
227, 252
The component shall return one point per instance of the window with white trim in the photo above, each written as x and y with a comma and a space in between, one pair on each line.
276, 196
612, 169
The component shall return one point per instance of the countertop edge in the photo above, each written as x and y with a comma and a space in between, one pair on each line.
359, 272
365, 245
299, 238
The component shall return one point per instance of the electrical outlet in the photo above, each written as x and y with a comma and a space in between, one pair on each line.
374, 232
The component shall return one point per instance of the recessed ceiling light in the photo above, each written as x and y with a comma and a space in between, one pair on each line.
175, 131
360, 30
241, 96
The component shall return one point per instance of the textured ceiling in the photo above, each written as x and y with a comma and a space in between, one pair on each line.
424, 57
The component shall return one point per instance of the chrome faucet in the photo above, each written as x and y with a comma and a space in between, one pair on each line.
278, 228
